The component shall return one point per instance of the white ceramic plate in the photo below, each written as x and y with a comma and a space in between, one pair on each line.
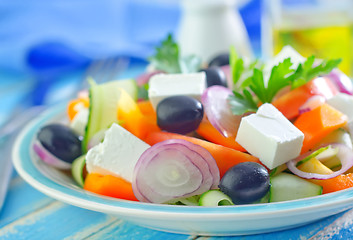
225, 220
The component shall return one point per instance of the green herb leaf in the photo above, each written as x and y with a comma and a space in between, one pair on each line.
325, 67
241, 104
242, 73
189, 64
236, 64
142, 91
257, 85
278, 79
282, 75
167, 58
306, 72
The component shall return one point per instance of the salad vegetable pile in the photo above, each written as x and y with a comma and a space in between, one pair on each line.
231, 131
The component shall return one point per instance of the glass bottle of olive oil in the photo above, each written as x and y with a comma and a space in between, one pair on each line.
320, 27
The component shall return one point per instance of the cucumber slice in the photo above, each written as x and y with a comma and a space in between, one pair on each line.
77, 169
338, 136
103, 106
190, 201
129, 85
329, 158
278, 170
312, 155
285, 186
213, 198
264, 199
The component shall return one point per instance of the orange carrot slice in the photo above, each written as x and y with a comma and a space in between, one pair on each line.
110, 186
225, 157
318, 123
75, 105
210, 133
289, 103
146, 108
340, 182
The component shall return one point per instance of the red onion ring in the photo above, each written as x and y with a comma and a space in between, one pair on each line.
342, 81
144, 78
312, 103
48, 157
345, 154
170, 170
217, 109
206, 155
226, 70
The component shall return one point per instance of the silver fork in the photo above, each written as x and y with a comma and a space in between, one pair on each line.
105, 70
101, 71
8, 135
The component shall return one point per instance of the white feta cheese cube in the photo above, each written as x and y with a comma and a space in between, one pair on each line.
166, 85
270, 136
117, 155
344, 103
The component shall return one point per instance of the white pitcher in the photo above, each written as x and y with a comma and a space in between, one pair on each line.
210, 27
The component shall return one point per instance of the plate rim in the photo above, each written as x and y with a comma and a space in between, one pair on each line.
84, 199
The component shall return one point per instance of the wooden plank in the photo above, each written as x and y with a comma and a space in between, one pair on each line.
21, 200
55, 221
126, 231
341, 228
16, 229
303, 232
91, 230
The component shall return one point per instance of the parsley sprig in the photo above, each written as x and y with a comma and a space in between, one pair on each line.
252, 90
167, 58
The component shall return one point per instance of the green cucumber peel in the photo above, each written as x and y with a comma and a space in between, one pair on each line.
314, 154
104, 100
189, 201
286, 186
214, 198
278, 170
77, 170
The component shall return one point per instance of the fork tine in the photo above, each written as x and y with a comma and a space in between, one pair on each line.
117, 67
105, 69
100, 74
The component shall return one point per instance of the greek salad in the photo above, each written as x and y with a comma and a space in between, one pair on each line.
227, 132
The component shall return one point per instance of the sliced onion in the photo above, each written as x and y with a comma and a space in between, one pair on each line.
344, 154
49, 158
173, 169
83, 94
226, 70
342, 81
145, 77
206, 155
312, 103
217, 109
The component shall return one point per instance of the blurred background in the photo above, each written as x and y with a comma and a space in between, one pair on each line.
46, 47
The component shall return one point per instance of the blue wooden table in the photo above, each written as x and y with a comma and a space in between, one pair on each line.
29, 214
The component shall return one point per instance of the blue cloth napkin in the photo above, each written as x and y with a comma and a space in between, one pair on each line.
49, 43
94, 29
